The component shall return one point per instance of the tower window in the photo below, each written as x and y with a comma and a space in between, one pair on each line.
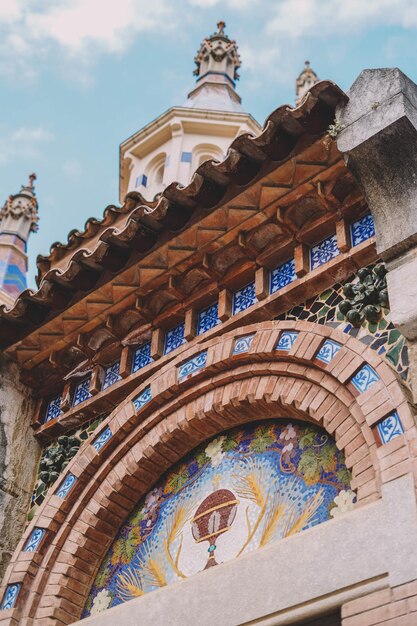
186, 157
141, 180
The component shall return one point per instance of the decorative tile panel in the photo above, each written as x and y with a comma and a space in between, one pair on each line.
142, 357
365, 378
286, 340
54, 409
390, 427
244, 298
193, 366
291, 469
362, 229
208, 318
66, 486
102, 439
282, 275
111, 375
10, 596
143, 398
243, 344
82, 392
323, 252
328, 351
174, 338
34, 540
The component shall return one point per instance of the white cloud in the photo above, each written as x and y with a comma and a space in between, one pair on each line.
297, 18
23, 143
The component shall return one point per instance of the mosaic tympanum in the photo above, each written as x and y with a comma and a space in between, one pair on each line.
244, 489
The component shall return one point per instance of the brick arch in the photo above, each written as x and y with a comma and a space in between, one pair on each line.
231, 389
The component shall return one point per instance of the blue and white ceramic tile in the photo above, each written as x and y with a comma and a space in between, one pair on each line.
323, 252
10, 596
243, 344
142, 357
365, 378
54, 409
286, 340
191, 367
111, 375
174, 338
143, 398
66, 486
282, 275
82, 392
102, 439
390, 427
244, 298
208, 318
34, 540
328, 351
362, 229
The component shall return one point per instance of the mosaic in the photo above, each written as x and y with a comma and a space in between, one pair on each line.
323, 252
10, 596
82, 392
193, 366
208, 318
362, 229
54, 409
390, 427
282, 276
174, 338
286, 340
34, 540
243, 344
381, 336
111, 375
244, 489
142, 357
55, 457
244, 298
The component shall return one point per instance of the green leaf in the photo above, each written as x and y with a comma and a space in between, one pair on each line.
309, 467
307, 438
344, 476
229, 444
201, 458
328, 457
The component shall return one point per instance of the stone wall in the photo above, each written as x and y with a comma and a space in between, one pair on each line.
19, 455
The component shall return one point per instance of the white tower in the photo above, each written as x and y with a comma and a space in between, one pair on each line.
172, 147
304, 82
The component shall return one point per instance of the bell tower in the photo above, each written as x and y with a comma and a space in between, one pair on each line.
19, 218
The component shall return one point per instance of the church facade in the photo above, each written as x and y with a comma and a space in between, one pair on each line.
208, 405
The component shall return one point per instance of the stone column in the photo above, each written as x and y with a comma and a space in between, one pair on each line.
19, 457
378, 136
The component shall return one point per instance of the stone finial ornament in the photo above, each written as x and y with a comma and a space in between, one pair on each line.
21, 205
218, 56
366, 296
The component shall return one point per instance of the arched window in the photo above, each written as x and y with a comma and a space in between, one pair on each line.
155, 174
205, 152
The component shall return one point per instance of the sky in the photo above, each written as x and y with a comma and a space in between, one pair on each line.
77, 77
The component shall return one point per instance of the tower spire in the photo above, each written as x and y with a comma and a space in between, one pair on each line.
19, 218
217, 63
306, 79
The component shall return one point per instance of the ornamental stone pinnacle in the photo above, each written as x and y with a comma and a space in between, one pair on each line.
19, 218
217, 64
